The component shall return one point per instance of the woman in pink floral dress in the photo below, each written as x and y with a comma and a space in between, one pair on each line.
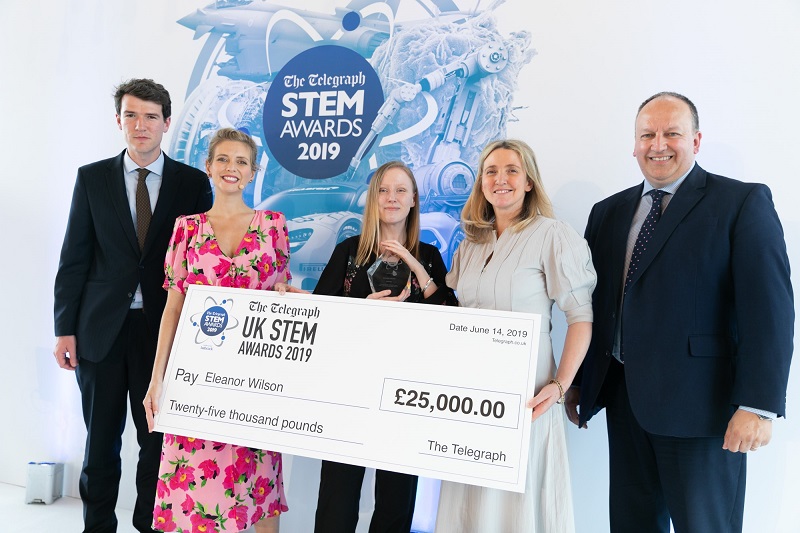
207, 486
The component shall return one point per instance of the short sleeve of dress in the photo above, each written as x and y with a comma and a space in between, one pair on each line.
569, 272
175, 264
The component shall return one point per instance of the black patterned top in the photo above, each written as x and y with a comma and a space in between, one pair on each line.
342, 277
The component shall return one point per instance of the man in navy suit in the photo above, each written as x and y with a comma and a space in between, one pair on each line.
108, 295
693, 331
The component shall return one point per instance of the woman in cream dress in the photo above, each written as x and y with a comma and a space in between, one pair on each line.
518, 258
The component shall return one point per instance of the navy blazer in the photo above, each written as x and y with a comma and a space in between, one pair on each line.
101, 263
708, 320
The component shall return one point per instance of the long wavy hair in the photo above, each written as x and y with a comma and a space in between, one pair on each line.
368, 243
477, 217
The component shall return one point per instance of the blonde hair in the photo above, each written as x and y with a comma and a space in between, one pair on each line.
231, 134
477, 217
368, 242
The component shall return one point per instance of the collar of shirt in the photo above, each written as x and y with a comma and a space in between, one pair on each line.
156, 167
669, 189
152, 181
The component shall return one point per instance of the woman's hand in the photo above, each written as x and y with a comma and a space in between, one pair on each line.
543, 401
397, 249
150, 402
416, 267
283, 288
386, 296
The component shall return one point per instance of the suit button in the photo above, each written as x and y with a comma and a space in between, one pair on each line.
130, 295
608, 354
614, 316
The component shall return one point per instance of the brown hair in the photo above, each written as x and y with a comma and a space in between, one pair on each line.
144, 89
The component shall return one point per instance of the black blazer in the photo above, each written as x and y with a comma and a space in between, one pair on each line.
101, 263
708, 321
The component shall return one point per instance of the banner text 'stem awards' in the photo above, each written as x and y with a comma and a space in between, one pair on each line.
423, 389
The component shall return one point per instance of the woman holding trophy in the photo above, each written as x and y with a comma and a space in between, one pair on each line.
386, 262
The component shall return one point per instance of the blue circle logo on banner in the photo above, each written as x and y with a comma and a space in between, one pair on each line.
319, 109
213, 321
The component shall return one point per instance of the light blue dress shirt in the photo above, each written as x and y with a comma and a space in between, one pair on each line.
153, 183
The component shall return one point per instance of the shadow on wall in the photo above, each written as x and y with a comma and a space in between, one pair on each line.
574, 200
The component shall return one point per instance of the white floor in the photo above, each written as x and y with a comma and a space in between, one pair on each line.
301, 476
64, 514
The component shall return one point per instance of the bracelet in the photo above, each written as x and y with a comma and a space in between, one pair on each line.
560, 390
427, 284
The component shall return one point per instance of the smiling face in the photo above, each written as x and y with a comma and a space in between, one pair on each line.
395, 197
666, 142
504, 182
143, 125
230, 166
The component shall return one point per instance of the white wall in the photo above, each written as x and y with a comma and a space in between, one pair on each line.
596, 61
59, 71
738, 61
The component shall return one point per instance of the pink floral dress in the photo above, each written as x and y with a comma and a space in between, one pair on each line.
207, 486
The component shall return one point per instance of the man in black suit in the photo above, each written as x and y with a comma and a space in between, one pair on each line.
108, 295
693, 331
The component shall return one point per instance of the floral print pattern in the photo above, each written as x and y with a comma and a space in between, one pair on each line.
195, 258
206, 486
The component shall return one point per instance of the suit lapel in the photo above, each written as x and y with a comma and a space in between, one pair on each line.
166, 196
622, 217
119, 199
690, 192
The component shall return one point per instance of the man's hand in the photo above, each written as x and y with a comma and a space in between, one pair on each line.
571, 401
747, 432
150, 402
66, 356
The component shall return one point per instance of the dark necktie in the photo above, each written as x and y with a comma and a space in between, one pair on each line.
646, 231
143, 211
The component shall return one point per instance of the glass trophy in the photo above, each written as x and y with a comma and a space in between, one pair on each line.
389, 272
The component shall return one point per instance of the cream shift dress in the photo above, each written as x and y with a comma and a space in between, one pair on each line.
545, 262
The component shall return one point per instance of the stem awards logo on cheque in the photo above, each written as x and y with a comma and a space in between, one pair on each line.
212, 323
319, 109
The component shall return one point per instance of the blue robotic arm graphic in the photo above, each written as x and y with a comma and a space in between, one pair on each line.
446, 179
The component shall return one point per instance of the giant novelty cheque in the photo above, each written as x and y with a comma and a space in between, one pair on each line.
429, 390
